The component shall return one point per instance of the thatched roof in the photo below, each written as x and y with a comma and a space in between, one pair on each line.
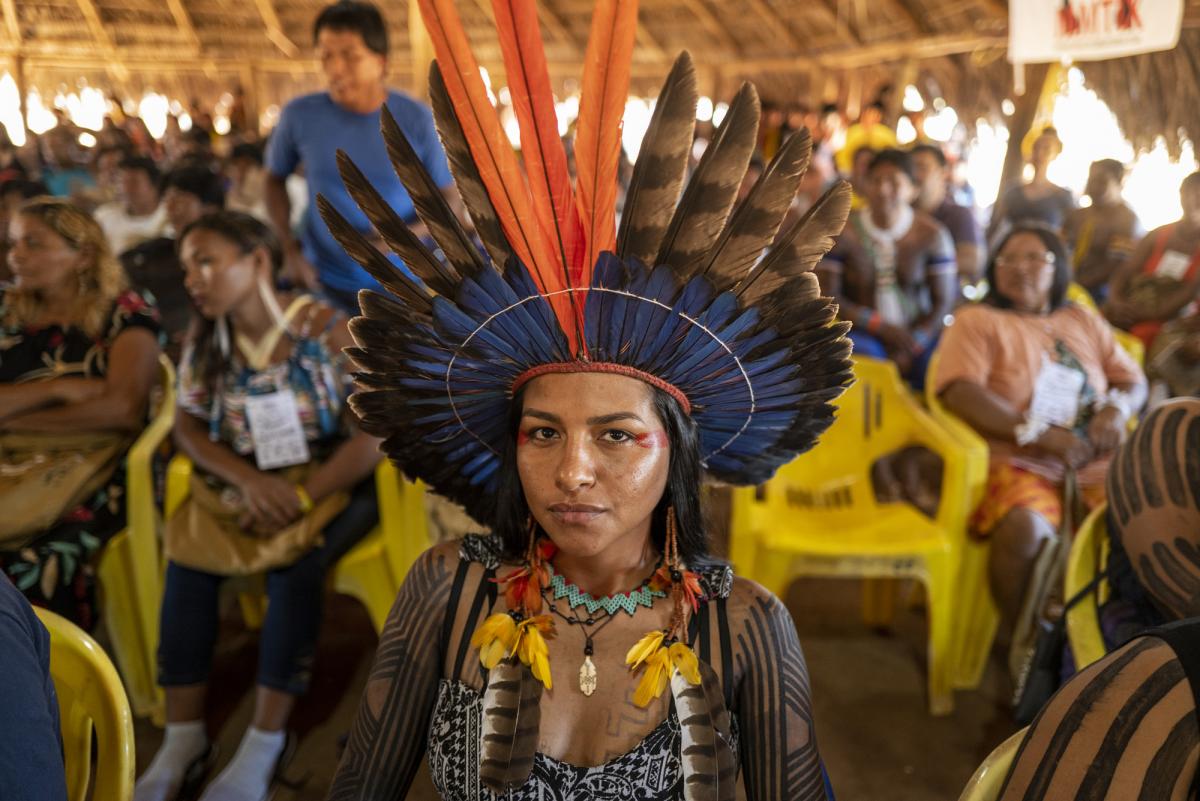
811, 51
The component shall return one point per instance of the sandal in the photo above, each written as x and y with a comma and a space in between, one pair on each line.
1024, 636
197, 773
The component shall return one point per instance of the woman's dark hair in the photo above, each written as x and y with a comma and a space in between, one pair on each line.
1062, 265
938, 154
356, 17
196, 180
248, 234
683, 486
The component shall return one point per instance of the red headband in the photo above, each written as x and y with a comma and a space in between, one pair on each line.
603, 367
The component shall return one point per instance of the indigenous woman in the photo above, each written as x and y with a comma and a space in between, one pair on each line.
250, 507
571, 398
1126, 726
78, 359
1160, 280
1045, 382
1040, 200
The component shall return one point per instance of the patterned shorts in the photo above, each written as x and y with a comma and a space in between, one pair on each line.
1010, 487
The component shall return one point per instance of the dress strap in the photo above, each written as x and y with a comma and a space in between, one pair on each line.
484, 592
258, 354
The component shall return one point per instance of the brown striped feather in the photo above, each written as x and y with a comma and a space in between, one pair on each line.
713, 187
428, 200
466, 175
699, 740
661, 165
374, 262
394, 231
804, 244
756, 220
511, 717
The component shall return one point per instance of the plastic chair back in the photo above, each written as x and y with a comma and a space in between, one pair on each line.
90, 699
1088, 556
988, 779
130, 567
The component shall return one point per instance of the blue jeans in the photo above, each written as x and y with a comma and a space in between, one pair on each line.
296, 593
867, 345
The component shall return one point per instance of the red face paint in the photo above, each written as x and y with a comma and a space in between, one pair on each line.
651, 439
522, 438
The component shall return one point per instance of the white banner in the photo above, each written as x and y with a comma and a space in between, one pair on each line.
1090, 30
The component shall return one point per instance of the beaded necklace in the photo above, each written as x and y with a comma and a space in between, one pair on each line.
627, 601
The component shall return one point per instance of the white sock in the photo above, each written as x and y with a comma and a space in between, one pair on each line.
182, 744
248, 775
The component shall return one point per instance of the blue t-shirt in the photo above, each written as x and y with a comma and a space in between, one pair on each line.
31, 760
311, 130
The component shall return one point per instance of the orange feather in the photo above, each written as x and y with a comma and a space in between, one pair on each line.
541, 147
601, 109
498, 166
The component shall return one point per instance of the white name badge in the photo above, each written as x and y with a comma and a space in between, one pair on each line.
276, 430
1056, 394
1173, 265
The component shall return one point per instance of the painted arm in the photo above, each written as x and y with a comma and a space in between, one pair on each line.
120, 404
388, 737
778, 746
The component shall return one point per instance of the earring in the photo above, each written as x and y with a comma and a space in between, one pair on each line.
530, 538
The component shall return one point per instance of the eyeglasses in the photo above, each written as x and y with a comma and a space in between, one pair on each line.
1028, 260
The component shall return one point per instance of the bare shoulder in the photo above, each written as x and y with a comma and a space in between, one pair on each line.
747, 594
761, 625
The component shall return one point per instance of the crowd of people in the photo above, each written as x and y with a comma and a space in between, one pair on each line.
1045, 328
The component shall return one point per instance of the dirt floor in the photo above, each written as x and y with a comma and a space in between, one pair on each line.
875, 735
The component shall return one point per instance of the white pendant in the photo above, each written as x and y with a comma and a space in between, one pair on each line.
587, 676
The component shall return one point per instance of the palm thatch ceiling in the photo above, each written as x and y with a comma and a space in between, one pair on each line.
807, 51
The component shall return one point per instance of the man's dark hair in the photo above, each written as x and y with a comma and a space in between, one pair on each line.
247, 150
104, 150
932, 150
896, 158
196, 180
684, 474
24, 187
358, 17
1062, 265
1187, 182
144, 164
1114, 168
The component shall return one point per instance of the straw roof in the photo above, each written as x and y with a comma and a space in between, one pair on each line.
814, 51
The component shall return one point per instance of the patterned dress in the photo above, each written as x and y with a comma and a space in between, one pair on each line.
650, 771
56, 570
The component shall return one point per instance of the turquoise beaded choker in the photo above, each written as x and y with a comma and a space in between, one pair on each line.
629, 601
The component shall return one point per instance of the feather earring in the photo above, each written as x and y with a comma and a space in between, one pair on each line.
511, 718
709, 766
665, 652
513, 649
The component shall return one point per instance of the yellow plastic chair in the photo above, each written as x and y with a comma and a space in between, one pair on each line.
979, 618
129, 567
1088, 556
90, 699
819, 516
988, 779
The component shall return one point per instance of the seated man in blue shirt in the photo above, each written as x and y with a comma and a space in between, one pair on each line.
31, 757
352, 46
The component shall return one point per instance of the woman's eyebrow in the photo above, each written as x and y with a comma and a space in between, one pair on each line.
591, 421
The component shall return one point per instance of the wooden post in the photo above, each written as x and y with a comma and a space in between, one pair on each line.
22, 90
421, 48
1019, 125
908, 74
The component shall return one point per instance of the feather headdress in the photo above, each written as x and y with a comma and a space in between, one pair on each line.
680, 296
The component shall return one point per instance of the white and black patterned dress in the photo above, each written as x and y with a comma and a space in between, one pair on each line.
650, 771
